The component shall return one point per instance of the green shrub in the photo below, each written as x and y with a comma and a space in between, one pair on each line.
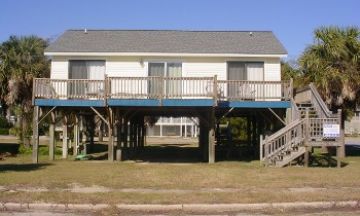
14, 131
25, 150
4, 131
43, 150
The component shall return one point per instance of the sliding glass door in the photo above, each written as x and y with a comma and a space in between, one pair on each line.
82, 70
235, 71
154, 86
173, 84
245, 71
171, 87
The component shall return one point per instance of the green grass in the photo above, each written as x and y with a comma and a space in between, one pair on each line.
250, 182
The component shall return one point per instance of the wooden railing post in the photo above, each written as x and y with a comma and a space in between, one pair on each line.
107, 92
261, 149
161, 94
33, 92
215, 90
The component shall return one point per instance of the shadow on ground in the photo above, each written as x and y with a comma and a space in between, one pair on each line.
22, 167
352, 150
12, 148
164, 153
175, 153
325, 160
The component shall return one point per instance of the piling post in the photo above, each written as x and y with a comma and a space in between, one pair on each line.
35, 143
52, 141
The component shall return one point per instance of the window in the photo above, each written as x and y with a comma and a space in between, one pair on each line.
253, 71
87, 69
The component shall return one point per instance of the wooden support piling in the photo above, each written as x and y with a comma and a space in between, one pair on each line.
65, 137
76, 135
35, 143
211, 136
52, 140
111, 135
119, 146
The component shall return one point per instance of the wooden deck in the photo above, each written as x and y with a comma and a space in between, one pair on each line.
160, 91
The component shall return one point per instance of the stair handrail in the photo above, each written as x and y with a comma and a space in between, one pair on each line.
265, 154
319, 102
295, 111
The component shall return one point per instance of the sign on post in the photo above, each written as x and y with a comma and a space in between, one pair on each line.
331, 130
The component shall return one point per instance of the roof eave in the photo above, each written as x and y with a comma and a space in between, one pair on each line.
49, 53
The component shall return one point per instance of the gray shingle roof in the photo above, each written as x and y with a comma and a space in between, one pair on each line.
168, 41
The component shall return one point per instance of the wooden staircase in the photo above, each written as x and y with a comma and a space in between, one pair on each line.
309, 114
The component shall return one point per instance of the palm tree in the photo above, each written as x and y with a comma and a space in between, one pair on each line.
332, 64
24, 60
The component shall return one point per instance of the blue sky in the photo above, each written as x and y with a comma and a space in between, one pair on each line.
292, 21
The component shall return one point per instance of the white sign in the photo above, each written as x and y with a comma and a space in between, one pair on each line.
331, 130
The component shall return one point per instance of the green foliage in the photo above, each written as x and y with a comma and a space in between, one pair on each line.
238, 127
4, 131
21, 60
43, 150
332, 63
14, 131
290, 70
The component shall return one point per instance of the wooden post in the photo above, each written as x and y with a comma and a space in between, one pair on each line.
65, 137
341, 153
139, 133
111, 136
248, 127
35, 153
76, 135
215, 90
52, 141
306, 142
338, 156
261, 149
203, 138
131, 132
101, 134
143, 132
211, 135
119, 136
126, 132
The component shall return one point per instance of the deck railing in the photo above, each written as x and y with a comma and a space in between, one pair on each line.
254, 90
161, 88
134, 87
69, 89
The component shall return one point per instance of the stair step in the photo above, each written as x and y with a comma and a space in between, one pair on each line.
305, 105
288, 159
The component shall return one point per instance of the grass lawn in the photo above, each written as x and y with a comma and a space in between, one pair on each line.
68, 181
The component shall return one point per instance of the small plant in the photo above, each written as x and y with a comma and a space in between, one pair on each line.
14, 131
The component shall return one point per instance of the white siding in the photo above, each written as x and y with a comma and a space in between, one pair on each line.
191, 66
59, 68
125, 67
272, 70
204, 67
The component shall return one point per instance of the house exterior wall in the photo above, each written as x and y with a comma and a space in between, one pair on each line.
191, 66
